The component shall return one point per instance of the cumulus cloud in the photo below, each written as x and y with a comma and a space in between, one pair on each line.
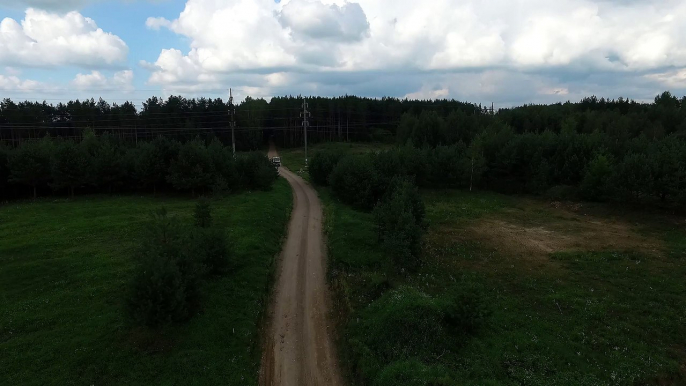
46, 4
671, 79
14, 84
50, 39
444, 48
55, 5
96, 81
155, 23
429, 94
315, 20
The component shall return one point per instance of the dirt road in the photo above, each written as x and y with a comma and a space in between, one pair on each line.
299, 350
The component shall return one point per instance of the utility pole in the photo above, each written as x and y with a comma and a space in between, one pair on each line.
305, 115
232, 113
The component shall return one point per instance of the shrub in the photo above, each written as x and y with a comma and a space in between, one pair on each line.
257, 172
202, 214
398, 337
322, 164
108, 168
150, 167
596, 183
465, 307
4, 170
220, 186
30, 164
209, 243
69, 166
354, 180
223, 167
402, 324
400, 222
449, 166
192, 169
413, 373
166, 287
212, 249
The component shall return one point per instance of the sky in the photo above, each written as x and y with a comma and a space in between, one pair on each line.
509, 52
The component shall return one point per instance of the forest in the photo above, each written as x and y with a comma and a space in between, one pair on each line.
595, 149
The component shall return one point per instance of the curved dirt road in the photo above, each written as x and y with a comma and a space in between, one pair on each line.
299, 347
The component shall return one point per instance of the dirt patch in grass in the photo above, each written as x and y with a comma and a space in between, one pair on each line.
535, 237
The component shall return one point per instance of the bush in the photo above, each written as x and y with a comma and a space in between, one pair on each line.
4, 170
596, 183
150, 167
226, 177
69, 166
30, 164
108, 170
192, 169
398, 337
166, 287
257, 171
203, 214
465, 307
220, 186
413, 373
212, 249
449, 167
402, 324
400, 222
322, 164
355, 181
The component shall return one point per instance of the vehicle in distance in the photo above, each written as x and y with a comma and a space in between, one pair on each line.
276, 161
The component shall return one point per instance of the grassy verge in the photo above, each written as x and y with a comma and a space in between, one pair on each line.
64, 271
567, 309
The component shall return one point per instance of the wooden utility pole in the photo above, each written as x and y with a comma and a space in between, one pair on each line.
305, 116
232, 113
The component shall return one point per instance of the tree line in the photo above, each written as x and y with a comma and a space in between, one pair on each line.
595, 150
108, 164
344, 118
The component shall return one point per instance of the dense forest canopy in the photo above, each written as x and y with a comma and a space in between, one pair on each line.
344, 118
602, 149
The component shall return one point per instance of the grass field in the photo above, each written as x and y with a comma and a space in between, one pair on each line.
65, 266
580, 294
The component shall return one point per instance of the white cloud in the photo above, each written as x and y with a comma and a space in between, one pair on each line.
46, 4
155, 23
554, 91
50, 39
442, 35
56, 5
96, 81
315, 20
672, 79
14, 84
429, 94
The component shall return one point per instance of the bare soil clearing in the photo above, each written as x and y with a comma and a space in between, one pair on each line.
533, 232
299, 347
